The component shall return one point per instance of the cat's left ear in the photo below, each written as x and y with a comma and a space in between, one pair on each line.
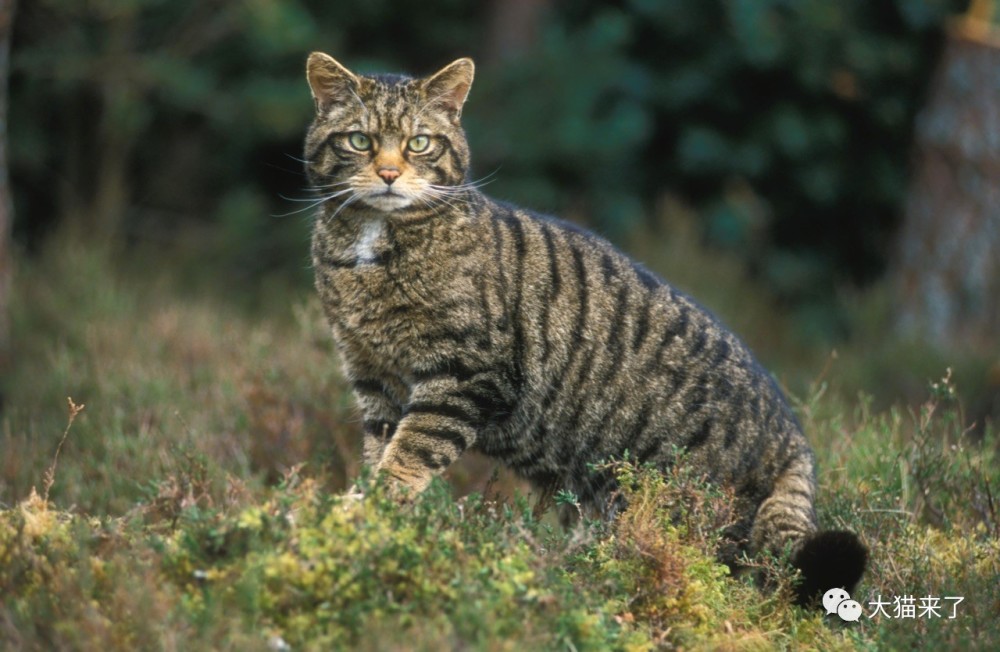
449, 87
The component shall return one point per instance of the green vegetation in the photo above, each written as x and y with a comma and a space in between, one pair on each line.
198, 501
786, 124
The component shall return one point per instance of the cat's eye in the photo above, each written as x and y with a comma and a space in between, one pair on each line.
418, 144
359, 141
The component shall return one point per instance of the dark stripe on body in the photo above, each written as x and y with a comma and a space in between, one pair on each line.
639, 427
583, 297
616, 337
329, 261
368, 386
641, 327
646, 277
498, 261
450, 435
700, 436
453, 336
451, 368
553, 291
442, 410
520, 249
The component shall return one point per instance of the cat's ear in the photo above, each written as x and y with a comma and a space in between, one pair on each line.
328, 80
449, 87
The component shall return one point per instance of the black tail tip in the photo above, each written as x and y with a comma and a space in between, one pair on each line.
827, 560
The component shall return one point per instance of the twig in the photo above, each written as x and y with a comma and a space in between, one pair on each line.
50, 473
903, 512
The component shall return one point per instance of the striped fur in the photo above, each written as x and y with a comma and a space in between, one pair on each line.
465, 322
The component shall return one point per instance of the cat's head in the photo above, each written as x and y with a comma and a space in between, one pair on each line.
389, 142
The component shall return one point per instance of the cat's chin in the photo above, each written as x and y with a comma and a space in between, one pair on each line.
388, 202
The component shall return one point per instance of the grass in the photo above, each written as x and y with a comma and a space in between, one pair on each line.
196, 502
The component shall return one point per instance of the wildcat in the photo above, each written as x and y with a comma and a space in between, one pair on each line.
464, 322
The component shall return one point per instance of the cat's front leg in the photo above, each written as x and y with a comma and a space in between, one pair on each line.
440, 422
381, 414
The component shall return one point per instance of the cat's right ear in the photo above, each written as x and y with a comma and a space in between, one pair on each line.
328, 80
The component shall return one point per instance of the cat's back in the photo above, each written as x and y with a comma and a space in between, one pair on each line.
614, 360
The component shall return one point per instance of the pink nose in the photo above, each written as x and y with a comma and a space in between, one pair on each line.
388, 174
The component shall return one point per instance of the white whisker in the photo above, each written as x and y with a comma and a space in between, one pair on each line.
350, 200
469, 185
321, 198
301, 210
359, 101
448, 191
444, 197
313, 202
328, 186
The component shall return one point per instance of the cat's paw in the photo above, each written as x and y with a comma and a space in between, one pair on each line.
353, 494
350, 498
402, 484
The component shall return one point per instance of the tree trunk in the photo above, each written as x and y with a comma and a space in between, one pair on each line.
947, 272
514, 26
117, 129
6, 201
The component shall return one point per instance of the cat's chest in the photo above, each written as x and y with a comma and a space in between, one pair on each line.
352, 263
351, 249
369, 241
380, 294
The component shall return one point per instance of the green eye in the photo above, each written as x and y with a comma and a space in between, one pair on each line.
418, 143
359, 141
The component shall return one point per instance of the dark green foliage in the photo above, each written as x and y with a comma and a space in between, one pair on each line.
144, 118
573, 149
141, 118
787, 124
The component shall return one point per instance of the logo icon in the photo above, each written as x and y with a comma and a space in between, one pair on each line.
834, 597
849, 610
838, 601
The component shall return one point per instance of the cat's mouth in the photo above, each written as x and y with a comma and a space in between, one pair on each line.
388, 200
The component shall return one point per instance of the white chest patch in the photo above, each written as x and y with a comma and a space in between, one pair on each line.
364, 248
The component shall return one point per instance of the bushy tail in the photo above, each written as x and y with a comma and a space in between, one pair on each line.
786, 519
827, 560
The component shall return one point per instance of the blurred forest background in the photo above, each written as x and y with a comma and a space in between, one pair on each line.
776, 139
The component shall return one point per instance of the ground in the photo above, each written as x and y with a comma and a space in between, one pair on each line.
196, 499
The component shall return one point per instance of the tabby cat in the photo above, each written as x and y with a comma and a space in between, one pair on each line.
466, 323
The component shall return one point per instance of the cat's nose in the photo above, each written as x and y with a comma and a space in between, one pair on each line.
388, 174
